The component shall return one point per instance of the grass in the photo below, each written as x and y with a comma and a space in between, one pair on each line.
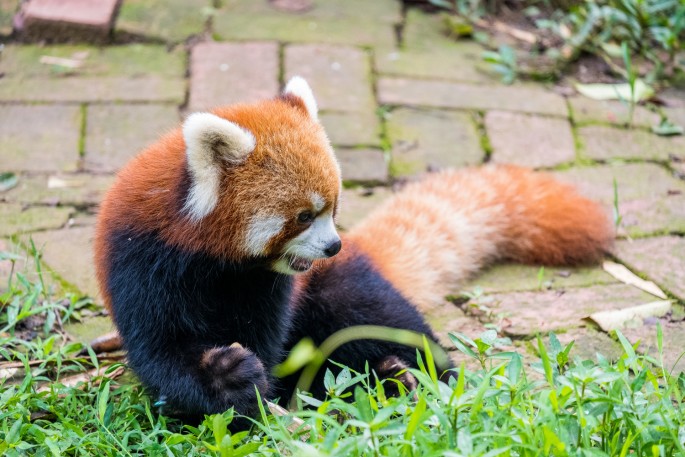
499, 405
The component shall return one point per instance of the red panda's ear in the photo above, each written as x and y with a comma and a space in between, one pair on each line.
211, 143
298, 87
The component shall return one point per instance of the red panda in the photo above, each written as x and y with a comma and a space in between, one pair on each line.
215, 250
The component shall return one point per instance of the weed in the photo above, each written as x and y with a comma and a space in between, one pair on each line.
556, 406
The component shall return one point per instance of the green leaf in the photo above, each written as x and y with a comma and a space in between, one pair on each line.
415, 418
103, 397
361, 400
545, 362
219, 428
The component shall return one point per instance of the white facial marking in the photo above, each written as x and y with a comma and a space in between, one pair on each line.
260, 230
209, 140
299, 87
309, 244
318, 202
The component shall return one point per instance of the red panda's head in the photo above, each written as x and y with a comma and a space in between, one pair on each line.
263, 181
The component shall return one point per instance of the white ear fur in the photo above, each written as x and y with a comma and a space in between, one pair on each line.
299, 87
209, 141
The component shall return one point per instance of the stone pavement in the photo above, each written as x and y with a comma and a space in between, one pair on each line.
397, 97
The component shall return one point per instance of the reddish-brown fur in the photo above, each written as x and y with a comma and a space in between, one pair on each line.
435, 233
288, 163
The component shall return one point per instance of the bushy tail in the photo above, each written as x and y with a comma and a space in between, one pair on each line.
435, 233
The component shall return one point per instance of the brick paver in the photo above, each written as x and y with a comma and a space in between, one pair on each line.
352, 129
120, 73
527, 313
605, 143
650, 200
116, 133
59, 189
362, 165
357, 22
220, 76
660, 259
532, 141
170, 20
39, 138
586, 111
58, 248
428, 53
515, 277
340, 76
443, 94
68, 20
356, 203
15, 218
432, 139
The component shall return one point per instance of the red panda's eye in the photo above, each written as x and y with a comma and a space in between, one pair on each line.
305, 217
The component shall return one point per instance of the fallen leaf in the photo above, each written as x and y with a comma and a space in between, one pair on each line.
7, 181
57, 182
60, 61
616, 91
295, 422
626, 276
619, 318
87, 376
667, 128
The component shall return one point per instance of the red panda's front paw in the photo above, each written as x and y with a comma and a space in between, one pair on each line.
233, 370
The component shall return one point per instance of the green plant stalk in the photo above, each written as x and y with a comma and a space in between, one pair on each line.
632, 78
365, 332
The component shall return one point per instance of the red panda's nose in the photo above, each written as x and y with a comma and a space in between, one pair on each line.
333, 248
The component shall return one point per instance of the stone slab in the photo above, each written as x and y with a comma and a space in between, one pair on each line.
68, 20
587, 111
340, 76
352, 129
226, 73
673, 342
427, 52
132, 60
79, 90
589, 342
449, 318
661, 259
528, 313
90, 328
675, 115
170, 20
446, 94
357, 22
432, 139
116, 73
68, 252
605, 143
650, 199
531, 141
515, 277
357, 203
39, 138
14, 219
362, 166
116, 133
59, 189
